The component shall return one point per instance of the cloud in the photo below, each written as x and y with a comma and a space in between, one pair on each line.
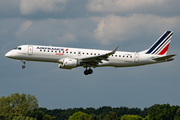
67, 38
120, 5
119, 28
56, 31
133, 6
24, 26
31, 6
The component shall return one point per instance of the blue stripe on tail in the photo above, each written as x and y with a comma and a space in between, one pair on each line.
158, 42
163, 43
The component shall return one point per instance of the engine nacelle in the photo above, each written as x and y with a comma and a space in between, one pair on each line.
68, 63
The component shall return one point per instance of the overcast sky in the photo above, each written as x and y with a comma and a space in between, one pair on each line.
96, 24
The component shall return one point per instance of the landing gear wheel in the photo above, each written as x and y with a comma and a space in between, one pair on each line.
86, 72
90, 71
24, 62
23, 66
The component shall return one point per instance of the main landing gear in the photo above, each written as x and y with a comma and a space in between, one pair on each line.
89, 71
24, 62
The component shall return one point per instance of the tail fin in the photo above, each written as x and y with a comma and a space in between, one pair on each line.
160, 47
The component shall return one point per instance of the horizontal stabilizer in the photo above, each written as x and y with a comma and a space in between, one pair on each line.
165, 57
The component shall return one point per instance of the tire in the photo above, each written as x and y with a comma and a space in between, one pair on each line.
23, 67
90, 71
86, 72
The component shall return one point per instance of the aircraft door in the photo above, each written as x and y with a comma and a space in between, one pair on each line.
30, 50
136, 57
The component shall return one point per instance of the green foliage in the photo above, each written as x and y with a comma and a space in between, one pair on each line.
39, 115
17, 104
21, 107
95, 117
177, 117
147, 118
131, 117
23, 118
24, 107
97, 114
111, 116
162, 112
80, 116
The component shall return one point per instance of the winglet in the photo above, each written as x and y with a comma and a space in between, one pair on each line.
113, 51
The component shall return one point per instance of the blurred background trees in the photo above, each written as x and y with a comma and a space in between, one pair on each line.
25, 107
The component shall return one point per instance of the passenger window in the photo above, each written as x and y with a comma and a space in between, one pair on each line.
59, 51
55, 51
123, 55
119, 55
74, 52
40, 50
48, 50
87, 53
67, 52
130, 56
116, 55
91, 53
44, 50
52, 51
71, 52
127, 56
94, 53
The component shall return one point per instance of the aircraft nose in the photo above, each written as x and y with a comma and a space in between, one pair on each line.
8, 54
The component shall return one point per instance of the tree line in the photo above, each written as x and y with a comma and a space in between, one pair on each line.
25, 107
155, 112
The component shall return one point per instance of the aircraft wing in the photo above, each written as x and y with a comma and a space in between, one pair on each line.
168, 57
94, 60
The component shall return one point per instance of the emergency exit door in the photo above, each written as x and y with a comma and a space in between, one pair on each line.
30, 50
136, 57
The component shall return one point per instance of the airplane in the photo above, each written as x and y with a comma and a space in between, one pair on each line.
68, 58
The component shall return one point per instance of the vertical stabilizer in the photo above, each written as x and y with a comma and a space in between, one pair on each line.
160, 47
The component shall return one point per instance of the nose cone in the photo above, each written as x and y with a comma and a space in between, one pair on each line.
8, 54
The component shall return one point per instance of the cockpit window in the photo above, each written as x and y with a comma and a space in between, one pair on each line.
19, 48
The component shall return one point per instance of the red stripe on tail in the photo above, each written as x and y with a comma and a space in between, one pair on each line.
164, 50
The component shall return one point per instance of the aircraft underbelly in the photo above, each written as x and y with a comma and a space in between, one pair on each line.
117, 63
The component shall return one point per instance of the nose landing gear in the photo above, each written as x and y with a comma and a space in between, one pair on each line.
23, 67
24, 62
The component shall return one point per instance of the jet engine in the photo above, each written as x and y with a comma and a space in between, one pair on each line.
68, 63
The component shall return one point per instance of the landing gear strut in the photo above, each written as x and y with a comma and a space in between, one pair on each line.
24, 62
89, 71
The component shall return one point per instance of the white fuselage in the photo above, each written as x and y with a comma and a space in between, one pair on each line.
54, 54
